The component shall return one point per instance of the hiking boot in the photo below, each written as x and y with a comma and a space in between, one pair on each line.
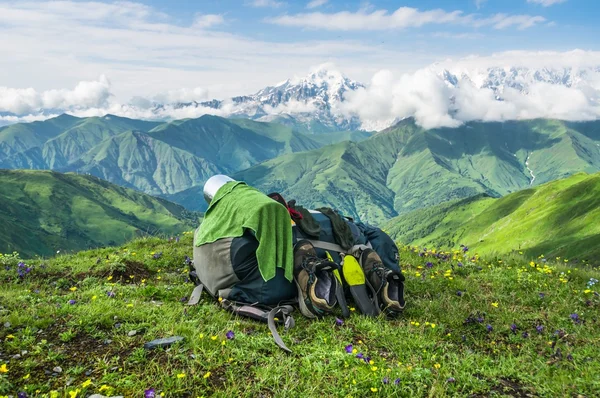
315, 281
386, 285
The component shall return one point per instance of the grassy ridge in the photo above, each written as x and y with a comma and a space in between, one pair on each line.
484, 327
560, 218
42, 212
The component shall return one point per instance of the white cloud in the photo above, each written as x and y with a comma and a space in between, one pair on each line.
546, 3
182, 95
479, 3
265, 3
208, 20
316, 3
433, 102
87, 94
403, 17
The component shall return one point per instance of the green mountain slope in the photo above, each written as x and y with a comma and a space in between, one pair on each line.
43, 211
135, 159
406, 167
559, 218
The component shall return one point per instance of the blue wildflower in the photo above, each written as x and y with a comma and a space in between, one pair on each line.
150, 393
230, 335
349, 349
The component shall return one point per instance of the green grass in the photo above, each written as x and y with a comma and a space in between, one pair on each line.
436, 348
43, 211
559, 218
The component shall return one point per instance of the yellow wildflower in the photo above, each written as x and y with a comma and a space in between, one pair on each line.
374, 389
3, 368
129, 305
495, 305
586, 291
206, 375
26, 376
73, 288
109, 278
374, 368
213, 337
94, 297
53, 394
104, 387
437, 366
73, 394
86, 383
181, 375
201, 335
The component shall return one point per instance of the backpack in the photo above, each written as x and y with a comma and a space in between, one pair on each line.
227, 268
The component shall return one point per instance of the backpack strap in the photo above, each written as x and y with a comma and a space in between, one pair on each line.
267, 316
196, 294
319, 244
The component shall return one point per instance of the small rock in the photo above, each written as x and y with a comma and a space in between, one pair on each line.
162, 342
117, 325
7, 324
88, 372
107, 341
115, 317
16, 356
132, 333
24, 352
57, 369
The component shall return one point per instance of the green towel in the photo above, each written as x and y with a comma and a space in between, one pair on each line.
237, 206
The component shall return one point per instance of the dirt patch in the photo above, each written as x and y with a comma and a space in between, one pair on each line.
507, 387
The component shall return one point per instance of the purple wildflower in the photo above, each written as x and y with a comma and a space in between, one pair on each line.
489, 327
525, 335
460, 264
459, 293
539, 328
359, 355
429, 265
183, 299
157, 255
230, 335
465, 249
560, 333
397, 381
367, 359
339, 322
514, 328
22, 394
542, 295
386, 380
570, 357
72, 302
451, 380
349, 349
150, 393
110, 294
177, 239
575, 318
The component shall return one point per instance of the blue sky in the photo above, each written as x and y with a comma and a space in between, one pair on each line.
219, 48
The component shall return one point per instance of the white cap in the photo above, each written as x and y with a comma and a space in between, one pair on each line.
213, 184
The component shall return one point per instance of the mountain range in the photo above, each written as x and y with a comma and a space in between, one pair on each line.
406, 167
373, 178
42, 212
156, 158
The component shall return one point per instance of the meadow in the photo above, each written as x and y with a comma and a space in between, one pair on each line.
75, 324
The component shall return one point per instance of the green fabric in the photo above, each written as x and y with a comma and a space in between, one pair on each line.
237, 206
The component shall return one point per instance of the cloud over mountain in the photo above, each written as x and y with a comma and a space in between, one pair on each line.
503, 86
